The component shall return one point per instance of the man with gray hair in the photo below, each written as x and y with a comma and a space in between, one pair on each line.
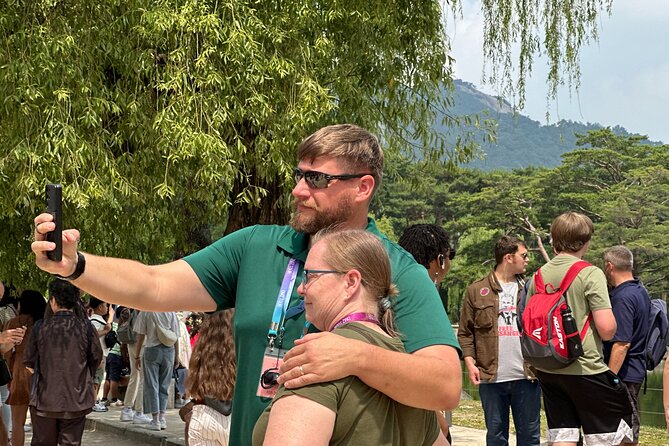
630, 302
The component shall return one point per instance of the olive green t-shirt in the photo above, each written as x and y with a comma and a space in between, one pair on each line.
588, 292
364, 416
244, 270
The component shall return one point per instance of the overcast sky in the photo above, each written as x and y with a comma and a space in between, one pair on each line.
624, 77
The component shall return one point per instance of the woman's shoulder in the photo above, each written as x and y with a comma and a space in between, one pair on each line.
361, 332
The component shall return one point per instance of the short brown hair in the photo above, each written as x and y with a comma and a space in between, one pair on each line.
360, 250
508, 244
570, 231
356, 147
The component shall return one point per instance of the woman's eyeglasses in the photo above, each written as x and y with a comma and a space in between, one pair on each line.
320, 180
309, 274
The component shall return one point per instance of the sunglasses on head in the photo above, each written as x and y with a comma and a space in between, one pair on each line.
320, 180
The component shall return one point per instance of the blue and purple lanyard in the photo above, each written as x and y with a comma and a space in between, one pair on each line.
276, 328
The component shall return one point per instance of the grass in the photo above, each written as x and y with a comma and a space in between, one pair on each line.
470, 414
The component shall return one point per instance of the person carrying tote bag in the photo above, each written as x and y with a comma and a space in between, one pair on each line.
166, 336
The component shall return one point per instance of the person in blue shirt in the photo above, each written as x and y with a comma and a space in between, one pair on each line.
630, 302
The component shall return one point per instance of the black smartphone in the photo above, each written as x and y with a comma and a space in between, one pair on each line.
54, 206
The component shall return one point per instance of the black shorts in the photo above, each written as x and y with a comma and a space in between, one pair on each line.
633, 389
113, 367
599, 404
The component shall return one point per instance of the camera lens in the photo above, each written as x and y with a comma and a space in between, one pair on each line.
269, 378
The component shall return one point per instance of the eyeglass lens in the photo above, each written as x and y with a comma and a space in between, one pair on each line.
314, 179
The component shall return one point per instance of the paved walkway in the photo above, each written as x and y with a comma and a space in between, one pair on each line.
111, 422
466, 436
174, 434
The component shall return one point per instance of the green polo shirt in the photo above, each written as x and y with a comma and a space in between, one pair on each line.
244, 270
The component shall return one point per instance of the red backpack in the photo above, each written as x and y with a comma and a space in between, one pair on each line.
544, 341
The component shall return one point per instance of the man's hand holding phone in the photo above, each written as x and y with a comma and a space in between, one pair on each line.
46, 250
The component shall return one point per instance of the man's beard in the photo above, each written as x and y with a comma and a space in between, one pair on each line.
311, 224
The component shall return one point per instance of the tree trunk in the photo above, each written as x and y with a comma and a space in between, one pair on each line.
270, 211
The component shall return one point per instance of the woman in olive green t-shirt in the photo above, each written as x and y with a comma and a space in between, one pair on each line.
346, 289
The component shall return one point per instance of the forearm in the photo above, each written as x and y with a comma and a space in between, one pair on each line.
133, 284
138, 346
429, 378
618, 354
665, 387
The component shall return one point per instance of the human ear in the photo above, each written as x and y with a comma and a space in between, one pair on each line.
353, 280
365, 188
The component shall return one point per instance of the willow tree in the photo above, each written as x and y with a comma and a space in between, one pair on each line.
165, 118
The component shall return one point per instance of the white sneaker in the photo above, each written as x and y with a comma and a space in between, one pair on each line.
179, 403
127, 414
117, 403
163, 424
100, 407
140, 418
154, 425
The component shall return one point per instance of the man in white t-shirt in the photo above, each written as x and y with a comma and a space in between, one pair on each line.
488, 335
159, 362
101, 318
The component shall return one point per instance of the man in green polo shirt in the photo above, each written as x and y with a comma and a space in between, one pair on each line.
256, 270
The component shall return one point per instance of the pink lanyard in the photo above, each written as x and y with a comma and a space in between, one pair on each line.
357, 317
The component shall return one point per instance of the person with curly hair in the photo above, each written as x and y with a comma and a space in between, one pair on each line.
211, 382
429, 245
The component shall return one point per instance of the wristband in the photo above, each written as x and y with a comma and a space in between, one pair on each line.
78, 270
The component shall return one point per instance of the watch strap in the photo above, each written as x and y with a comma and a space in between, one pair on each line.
78, 270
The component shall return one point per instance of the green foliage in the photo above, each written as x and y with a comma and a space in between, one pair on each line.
164, 118
159, 118
619, 181
555, 28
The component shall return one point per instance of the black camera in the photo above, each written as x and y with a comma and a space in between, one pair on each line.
269, 378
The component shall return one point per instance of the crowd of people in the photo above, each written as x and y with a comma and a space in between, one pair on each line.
71, 341
340, 336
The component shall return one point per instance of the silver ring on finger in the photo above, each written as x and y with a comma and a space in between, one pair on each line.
301, 370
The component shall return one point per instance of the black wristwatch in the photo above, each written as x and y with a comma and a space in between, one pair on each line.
78, 270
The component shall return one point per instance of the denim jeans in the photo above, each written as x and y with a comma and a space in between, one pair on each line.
181, 374
158, 366
6, 411
523, 397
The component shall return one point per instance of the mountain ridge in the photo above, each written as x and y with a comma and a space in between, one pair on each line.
520, 140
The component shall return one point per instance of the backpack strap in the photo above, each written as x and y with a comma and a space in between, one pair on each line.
586, 326
572, 273
539, 286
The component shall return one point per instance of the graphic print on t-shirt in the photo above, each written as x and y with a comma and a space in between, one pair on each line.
510, 359
506, 321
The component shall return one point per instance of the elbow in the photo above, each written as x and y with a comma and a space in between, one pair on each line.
452, 390
452, 401
607, 333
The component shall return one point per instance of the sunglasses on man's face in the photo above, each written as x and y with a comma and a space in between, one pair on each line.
320, 180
